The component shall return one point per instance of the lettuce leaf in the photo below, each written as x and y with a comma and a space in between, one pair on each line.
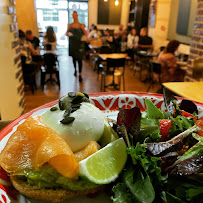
122, 194
153, 111
142, 178
193, 151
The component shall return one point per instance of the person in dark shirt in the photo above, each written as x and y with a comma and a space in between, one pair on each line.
108, 39
31, 38
145, 42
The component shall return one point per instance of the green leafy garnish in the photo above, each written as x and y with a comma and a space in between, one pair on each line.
153, 111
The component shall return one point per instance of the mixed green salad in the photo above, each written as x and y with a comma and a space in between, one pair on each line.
165, 162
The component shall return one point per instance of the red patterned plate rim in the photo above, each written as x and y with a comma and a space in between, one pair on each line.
10, 126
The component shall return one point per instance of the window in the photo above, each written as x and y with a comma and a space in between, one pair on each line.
54, 2
50, 16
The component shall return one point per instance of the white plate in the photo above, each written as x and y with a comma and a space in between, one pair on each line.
108, 102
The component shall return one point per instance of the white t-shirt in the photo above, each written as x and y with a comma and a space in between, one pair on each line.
132, 41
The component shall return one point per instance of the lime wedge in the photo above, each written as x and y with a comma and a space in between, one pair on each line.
105, 165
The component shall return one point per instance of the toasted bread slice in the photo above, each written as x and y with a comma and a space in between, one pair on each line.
53, 195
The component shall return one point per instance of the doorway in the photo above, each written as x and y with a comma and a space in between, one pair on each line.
58, 13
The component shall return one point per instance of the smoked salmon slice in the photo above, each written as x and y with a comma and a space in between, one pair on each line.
88, 150
32, 145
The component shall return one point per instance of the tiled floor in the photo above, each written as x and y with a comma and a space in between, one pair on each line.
69, 83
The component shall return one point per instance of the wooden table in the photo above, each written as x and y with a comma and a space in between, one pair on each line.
95, 46
4, 124
114, 56
189, 90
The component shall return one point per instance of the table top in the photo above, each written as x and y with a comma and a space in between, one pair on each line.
113, 56
189, 90
4, 124
182, 63
95, 46
146, 54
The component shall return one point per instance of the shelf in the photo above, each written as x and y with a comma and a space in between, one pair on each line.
131, 22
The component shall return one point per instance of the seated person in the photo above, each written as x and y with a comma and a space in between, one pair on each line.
170, 71
145, 42
108, 38
50, 39
91, 28
93, 34
26, 48
28, 67
124, 41
118, 33
31, 38
118, 36
132, 42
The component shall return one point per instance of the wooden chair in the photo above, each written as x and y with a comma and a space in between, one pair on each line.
114, 68
51, 66
156, 73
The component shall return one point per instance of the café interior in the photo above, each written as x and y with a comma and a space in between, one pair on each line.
114, 57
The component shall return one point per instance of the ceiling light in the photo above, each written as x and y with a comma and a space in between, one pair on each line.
116, 2
105, 0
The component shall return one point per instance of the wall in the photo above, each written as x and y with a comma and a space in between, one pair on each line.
196, 50
160, 32
173, 21
27, 17
11, 102
93, 8
166, 10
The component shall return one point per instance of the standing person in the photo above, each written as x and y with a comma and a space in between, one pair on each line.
31, 38
50, 39
132, 42
76, 47
145, 42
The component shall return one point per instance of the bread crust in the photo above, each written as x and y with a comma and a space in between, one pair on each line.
53, 195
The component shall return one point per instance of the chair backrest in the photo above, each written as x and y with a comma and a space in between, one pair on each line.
115, 63
155, 67
156, 70
48, 47
49, 61
198, 68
